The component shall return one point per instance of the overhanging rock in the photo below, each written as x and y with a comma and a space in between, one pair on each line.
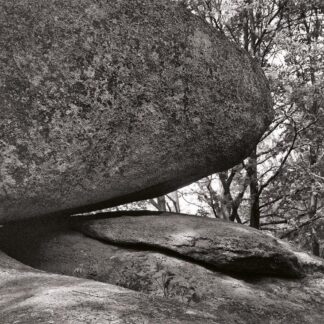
103, 103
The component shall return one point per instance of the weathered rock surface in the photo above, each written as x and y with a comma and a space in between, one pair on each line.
309, 262
223, 245
29, 296
224, 299
109, 102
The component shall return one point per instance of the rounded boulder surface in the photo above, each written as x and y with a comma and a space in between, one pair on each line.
103, 103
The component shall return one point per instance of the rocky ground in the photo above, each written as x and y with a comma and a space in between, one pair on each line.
126, 282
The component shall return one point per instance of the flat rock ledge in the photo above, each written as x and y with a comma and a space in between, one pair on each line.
224, 246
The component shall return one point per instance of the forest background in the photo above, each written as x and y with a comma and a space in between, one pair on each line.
280, 186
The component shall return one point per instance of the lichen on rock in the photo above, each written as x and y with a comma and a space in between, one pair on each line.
107, 102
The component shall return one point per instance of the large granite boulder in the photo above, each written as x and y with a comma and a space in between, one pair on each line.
223, 298
222, 245
104, 102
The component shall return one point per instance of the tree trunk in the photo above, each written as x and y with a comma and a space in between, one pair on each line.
254, 191
314, 147
255, 212
234, 215
161, 203
174, 197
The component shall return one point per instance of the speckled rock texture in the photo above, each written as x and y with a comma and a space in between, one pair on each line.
104, 102
226, 299
225, 246
30, 296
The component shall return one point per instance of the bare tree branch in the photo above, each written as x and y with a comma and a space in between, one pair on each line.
274, 223
284, 235
292, 146
271, 202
